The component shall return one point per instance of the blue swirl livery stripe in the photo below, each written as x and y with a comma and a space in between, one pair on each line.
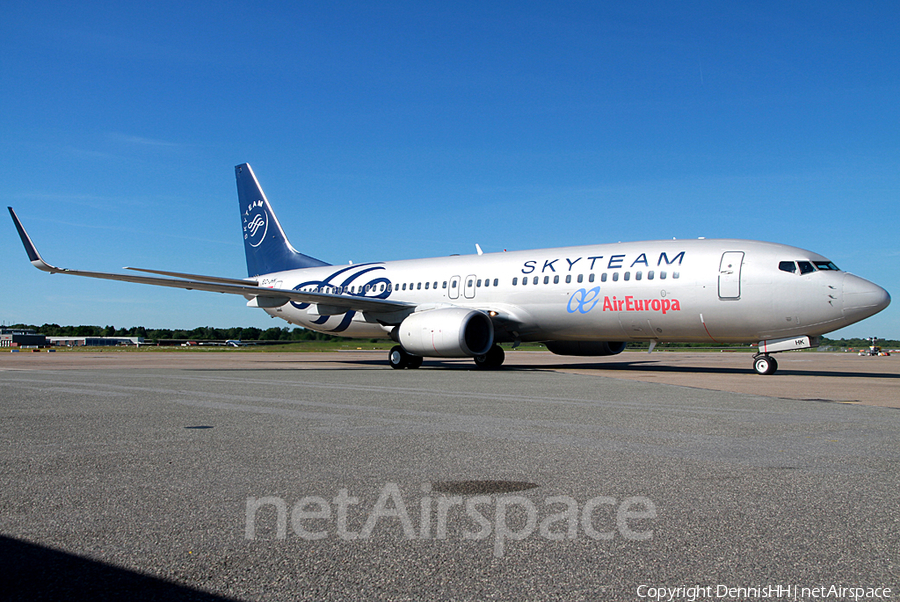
328, 281
359, 271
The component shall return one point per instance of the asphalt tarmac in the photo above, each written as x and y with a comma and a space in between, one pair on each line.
332, 477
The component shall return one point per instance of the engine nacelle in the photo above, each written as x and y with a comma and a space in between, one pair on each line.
447, 332
585, 348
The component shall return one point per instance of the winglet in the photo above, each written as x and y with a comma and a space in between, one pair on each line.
32, 251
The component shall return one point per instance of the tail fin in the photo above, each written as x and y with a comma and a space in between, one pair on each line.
267, 248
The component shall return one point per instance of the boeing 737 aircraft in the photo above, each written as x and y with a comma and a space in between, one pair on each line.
581, 301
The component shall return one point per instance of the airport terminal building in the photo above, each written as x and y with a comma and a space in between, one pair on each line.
18, 337
95, 341
15, 337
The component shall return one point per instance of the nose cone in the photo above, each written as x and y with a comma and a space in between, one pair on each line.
863, 298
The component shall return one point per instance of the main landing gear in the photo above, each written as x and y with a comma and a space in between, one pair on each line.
400, 359
491, 360
764, 364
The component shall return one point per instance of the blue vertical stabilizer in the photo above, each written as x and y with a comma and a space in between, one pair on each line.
267, 248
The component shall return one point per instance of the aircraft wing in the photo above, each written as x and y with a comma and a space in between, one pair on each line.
267, 297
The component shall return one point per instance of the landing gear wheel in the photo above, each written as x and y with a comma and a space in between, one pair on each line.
415, 361
398, 358
492, 359
765, 364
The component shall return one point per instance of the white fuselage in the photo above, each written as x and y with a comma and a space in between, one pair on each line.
727, 291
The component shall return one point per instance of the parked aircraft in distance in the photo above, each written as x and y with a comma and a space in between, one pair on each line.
581, 301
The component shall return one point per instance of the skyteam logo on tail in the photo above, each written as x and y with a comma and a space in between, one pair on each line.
256, 223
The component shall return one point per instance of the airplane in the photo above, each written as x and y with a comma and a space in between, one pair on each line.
579, 301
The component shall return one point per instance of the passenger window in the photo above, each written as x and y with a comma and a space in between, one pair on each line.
676, 274
580, 278
426, 286
637, 275
787, 266
470, 283
650, 275
615, 276
444, 285
453, 284
591, 278
435, 285
496, 281
806, 267
515, 281
662, 275
556, 280
568, 278
487, 282
603, 277
535, 280
478, 284
627, 276
419, 286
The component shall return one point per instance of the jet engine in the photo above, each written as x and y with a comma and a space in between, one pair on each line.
585, 348
447, 332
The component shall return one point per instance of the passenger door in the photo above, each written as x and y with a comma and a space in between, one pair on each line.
730, 275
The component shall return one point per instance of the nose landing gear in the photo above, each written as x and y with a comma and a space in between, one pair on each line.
764, 364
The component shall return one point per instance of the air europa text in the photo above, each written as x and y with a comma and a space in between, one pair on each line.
583, 301
630, 303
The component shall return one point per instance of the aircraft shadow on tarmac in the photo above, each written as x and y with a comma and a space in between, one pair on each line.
651, 366
647, 366
34, 572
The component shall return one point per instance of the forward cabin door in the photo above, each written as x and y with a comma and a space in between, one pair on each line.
730, 275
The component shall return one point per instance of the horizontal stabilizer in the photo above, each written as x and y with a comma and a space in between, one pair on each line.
197, 277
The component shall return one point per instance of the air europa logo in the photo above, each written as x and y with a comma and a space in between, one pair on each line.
583, 301
256, 223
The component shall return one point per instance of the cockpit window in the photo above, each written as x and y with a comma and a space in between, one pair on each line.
787, 266
806, 267
827, 265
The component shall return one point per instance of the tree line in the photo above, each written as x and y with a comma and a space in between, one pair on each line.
208, 333
202, 333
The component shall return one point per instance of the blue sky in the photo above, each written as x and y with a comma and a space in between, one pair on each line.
393, 130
